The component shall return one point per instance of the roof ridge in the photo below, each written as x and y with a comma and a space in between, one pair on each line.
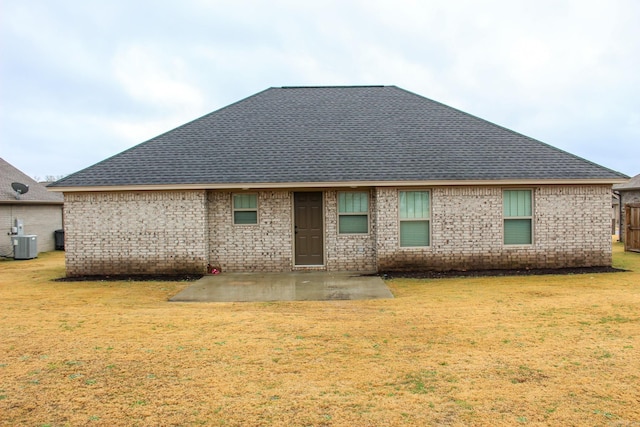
331, 87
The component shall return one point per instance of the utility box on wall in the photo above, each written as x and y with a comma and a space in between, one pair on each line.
25, 247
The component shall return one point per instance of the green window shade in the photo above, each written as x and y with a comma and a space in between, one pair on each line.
245, 217
353, 212
353, 224
517, 203
245, 201
517, 232
517, 211
414, 233
414, 204
245, 209
353, 202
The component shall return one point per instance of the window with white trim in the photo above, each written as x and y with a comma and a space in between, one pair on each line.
518, 217
245, 209
353, 212
415, 217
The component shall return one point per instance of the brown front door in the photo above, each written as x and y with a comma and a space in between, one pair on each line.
632, 224
308, 228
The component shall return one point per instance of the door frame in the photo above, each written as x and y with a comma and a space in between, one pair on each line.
293, 231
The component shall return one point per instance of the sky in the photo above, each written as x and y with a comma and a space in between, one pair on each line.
81, 81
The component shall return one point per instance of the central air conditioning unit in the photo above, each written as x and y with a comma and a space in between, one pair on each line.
25, 247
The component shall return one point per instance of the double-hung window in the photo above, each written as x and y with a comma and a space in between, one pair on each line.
353, 212
415, 215
245, 209
518, 217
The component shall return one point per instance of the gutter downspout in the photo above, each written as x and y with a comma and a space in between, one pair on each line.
620, 235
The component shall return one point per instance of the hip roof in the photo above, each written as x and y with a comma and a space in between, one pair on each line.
346, 134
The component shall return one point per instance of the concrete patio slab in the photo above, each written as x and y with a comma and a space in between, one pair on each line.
291, 286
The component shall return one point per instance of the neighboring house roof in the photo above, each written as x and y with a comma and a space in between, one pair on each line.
630, 185
335, 135
37, 193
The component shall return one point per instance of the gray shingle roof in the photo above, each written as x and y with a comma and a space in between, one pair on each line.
37, 193
632, 184
336, 134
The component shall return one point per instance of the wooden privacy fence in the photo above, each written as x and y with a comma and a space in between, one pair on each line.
632, 229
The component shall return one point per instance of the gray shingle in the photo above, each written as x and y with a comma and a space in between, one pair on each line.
37, 192
335, 134
630, 185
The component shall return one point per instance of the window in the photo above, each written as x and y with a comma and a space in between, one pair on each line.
245, 209
353, 212
518, 217
414, 218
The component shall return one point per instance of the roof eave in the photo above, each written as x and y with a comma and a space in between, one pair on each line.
334, 184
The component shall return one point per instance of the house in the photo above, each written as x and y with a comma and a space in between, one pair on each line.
39, 210
629, 193
364, 178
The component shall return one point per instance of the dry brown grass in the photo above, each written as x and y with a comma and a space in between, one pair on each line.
545, 350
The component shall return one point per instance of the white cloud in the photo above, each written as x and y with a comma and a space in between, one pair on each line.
156, 78
116, 73
136, 131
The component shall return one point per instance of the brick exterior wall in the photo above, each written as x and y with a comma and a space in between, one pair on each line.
142, 232
571, 228
348, 252
266, 246
41, 220
172, 232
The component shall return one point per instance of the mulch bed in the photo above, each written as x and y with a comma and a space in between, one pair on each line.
429, 274
134, 278
415, 274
